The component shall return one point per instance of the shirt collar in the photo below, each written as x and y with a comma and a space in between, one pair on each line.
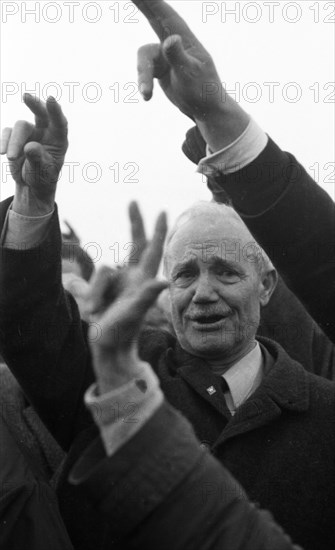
243, 378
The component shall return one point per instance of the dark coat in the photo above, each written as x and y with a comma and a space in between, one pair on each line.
273, 445
29, 514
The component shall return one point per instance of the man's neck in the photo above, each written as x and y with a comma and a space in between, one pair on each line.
220, 365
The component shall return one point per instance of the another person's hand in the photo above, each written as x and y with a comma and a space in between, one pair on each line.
187, 74
117, 301
36, 155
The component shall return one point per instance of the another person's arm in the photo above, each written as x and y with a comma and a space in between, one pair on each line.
40, 328
161, 490
292, 218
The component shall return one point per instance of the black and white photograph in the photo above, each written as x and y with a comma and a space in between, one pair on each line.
167, 275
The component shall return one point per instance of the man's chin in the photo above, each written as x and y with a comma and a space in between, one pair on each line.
208, 345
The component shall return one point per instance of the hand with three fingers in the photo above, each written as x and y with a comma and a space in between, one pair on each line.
117, 302
36, 155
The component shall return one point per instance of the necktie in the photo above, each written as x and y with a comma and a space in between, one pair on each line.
222, 389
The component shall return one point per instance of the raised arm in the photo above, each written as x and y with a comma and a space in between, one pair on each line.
40, 328
289, 214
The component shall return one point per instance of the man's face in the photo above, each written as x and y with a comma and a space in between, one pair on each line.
215, 287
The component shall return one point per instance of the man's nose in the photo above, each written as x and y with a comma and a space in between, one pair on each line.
205, 290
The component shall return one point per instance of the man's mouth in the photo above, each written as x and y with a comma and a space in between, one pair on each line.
208, 322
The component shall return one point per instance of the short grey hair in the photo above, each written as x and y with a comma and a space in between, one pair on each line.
260, 258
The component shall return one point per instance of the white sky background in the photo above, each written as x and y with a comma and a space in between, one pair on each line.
144, 139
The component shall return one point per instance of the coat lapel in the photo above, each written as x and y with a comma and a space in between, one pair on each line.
200, 378
284, 387
197, 374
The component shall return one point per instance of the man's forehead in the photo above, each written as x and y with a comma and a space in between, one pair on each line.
208, 234
211, 226
213, 247
207, 251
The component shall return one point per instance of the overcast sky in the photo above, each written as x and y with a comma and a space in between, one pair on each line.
278, 57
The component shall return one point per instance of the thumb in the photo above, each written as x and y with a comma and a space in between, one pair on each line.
34, 152
174, 51
40, 162
147, 297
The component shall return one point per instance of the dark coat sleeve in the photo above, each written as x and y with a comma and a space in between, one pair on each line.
162, 490
41, 334
29, 514
285, 320
290, 216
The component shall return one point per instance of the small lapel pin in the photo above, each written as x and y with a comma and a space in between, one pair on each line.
211, 390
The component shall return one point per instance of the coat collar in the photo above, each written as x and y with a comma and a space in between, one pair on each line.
285, 387
285, 382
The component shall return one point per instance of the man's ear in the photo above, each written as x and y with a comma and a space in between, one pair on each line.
268, 283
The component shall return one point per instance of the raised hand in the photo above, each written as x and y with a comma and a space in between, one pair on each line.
36, 155
185, 70
188, 76
117, 301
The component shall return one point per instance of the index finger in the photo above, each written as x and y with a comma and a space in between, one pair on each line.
153, 253
137, 230
57, 119
38, 108
165, 21
47, 114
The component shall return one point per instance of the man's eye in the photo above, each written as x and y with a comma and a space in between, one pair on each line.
186, 274
228, 275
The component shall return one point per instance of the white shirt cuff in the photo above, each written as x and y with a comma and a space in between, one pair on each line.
121, 413
23, 232
245, 149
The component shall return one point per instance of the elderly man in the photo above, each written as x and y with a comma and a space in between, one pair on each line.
219, 277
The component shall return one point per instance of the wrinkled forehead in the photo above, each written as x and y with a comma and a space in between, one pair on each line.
208, 236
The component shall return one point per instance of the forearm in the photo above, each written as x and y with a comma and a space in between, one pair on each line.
223, 126
41, 333
162, 490
124, 409
26, 204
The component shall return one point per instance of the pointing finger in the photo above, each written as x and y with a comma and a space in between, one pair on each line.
175, 53
165, 21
